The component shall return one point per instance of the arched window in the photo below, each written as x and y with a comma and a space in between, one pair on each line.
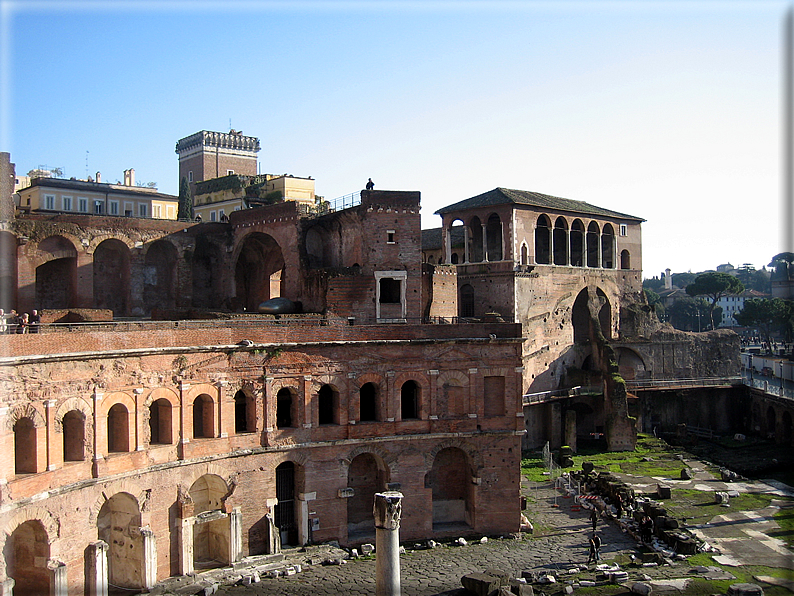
203, 417
244, 413
493, 232
74, 436
160, 422
118, 429
577, 243
475, 243
409, 400
466, 301
454, 258
524, 254
543, 240
24, 446
608, 247
560, 241
593, 235
368, 402
327, 401
284, 408
625, 259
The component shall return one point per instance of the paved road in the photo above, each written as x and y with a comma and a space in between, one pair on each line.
560, 541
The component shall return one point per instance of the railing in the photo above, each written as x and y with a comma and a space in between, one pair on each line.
682, 383
339, 203
771, 385
544, 396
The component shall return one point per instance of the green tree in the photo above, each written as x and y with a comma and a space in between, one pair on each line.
688, 314
185, 206
653, 283
715, 286
654, 301
760, 313
682, 280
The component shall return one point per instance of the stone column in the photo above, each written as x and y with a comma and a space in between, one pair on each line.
185, 429
225, 410
306, 411
100, 434
433, 409
485, 256
446, 233
465, 244
474, 407
97, 564
185, 538
303, 516
139, 401
53, 452
235, 535
58, 583
7, 587
570, 429
387, 510
149, 574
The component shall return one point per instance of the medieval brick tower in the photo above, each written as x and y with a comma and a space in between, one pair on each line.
205, 155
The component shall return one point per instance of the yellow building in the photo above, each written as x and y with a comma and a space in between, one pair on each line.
97, 198
218, 197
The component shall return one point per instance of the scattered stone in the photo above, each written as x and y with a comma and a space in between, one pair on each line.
745, 590
573, 570
461, 542
686, 474
289, 571
523, 590
664, 491
432, 544
644, 577
586, 583
641, 588
526, 525
484, 540
354, 553
401, 550
547, 579
733, 493
481, 584
568, 589
247, 580
505, 591
367, 549
618, 576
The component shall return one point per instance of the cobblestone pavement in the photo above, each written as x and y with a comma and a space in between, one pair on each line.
560, 541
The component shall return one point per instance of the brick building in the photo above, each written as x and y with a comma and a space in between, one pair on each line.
208, 432
205, 155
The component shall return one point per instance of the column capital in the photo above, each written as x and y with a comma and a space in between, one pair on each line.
388, 509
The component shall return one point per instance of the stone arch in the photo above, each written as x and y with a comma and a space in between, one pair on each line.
456, 233
577, 242
27, 410
77, 439
118, 524
111, 273
475, 240
388, 459
367, 474
494, 240
259, 272
162, 393
560, 241
56, 273
450, 482
72, 403
117, 397
50, 522
592, 245
587, 300
160, 275
25, 548
452, 389
543, 240
625, 259
630, 364
475, 457
414, 393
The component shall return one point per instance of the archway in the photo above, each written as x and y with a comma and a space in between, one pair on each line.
73, 436
543, 240
55, 279
625, 259
259, 272
159, 276
118, 429
203, 417
630, 364
580, 316
577, 243
409, 400
560, 242
450, 482
608, 247
592, 242
206, 273
368, 402
493, 232
26, 553
328, 405
286, 519
466, 300
284, 407
366, 476
25, 446
244, 413
211, 531
475, 240
119, 525
112, 276
160, 424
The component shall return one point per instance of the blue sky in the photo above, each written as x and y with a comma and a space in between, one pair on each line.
670, 111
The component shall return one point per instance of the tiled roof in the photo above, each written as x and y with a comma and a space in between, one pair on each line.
507, 196
431, 239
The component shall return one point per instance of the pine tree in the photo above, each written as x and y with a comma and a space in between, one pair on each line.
185, 208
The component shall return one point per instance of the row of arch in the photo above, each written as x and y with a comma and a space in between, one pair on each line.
128, 282
161, 424
129, 541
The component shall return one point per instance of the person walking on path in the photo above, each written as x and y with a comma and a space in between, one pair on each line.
595, 549
594, 518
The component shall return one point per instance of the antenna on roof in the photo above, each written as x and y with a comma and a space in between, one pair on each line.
86, 164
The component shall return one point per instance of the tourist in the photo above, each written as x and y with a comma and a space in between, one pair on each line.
594, 518
35, 321
370, 184
12, 321
3, 324
646, 529
24, 321
618, 507
595, 549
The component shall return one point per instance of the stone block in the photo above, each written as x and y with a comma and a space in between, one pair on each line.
367, 549
481, 584
686, 474
523, 590
745, 590
641, 588
664, 491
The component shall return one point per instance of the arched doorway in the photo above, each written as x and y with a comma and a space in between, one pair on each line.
368, 402
119, 525
206, 273
211, 530
259, 272
630, 364
366, 476
475, 240
73, 436
625, 259
160, 425
580, 317
112, 276
560, 241
55, 279
493, 231
450, 482
577, 243
286, 518
159, 276
26, 553
592, 242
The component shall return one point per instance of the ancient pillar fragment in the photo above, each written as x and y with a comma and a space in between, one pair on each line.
185, 538
97, 564
387, 510
235, 535
58, 584
149, 574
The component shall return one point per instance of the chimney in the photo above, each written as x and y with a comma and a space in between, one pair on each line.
668, 279
129, 177
98, 177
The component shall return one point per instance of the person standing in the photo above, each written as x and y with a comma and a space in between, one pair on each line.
370, 184
35, 321
594, 518
595, 549
3, 324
